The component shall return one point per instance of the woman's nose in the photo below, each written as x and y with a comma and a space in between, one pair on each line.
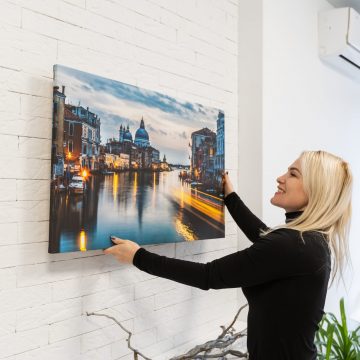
280, 179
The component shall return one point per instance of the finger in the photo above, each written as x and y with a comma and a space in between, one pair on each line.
117, 240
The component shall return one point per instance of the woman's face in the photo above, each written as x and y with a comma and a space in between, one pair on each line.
291, 195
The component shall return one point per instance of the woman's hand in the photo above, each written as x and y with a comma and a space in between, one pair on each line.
124, 250
226, 183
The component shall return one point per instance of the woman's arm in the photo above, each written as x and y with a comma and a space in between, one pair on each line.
279, 255
245, 219
249, 223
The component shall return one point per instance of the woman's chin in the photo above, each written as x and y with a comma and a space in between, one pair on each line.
274, 202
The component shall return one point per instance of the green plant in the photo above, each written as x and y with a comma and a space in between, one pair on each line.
333, 339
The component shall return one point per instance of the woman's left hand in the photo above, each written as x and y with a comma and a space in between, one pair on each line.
124, 250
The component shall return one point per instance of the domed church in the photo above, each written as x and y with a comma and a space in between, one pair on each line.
142, 136
125, 134
140, 153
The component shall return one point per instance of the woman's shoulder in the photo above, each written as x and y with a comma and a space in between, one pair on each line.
289, 232
310, 238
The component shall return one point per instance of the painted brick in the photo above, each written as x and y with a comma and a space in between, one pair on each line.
20, 82
106, 299
183, 49
30, 126
10, 13
36, 105
75, 326
134, 309
7, 323
10, 100
23, 341
67, 349
33, 231
7, 191
22, 298
34, 148
47, 314
181, 293
153, 286
103, 352
23, 168
104, 336
78, 287
160, 347
32, 190
7, 278
31, 275
10, 211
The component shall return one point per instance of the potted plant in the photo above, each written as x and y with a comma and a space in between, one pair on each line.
333, 339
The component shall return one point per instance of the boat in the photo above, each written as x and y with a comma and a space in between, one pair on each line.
107, 172
77, 185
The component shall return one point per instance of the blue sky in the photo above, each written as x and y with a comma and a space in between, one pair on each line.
168, 121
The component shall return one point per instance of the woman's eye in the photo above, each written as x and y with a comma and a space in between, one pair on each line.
292, 174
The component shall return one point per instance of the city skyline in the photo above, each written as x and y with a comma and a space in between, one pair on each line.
119, 103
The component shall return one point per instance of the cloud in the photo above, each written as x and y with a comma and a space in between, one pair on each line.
168, 121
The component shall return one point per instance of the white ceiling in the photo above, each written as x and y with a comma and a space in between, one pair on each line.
341, 3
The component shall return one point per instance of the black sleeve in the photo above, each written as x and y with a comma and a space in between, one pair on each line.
273, 257
249, 223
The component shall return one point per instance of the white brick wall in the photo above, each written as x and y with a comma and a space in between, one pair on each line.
187, 49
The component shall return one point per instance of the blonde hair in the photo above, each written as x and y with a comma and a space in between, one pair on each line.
327, 181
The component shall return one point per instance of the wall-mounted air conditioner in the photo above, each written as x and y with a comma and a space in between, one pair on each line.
339, 39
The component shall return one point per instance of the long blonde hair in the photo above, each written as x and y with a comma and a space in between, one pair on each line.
327, 181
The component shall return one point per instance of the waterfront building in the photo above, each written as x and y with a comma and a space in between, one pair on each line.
81, 136
57, 150
220, 147
203, 152
142, 136
141, 154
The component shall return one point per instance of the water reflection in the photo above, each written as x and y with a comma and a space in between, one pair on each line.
147, 207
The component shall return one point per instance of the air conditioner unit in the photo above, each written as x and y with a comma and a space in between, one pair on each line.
339, 39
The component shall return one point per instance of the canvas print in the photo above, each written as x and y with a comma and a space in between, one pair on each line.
133, 163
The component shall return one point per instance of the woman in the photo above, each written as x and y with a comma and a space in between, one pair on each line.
284, 274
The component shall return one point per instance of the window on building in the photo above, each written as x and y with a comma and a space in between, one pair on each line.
70, 146
71, 129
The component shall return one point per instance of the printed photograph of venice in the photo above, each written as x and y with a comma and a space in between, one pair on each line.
133, 163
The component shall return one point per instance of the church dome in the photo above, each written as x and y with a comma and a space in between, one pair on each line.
127, 135
142, 136
141, 133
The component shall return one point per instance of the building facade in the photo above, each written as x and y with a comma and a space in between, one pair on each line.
141, 155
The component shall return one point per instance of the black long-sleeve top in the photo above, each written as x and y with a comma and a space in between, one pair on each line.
283, 279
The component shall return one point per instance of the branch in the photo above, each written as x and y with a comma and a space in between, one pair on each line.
233, 322
218, 343
223, 341
136, 352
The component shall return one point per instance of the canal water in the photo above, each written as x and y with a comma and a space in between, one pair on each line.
146, 207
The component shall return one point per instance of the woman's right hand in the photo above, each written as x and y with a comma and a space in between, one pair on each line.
227, 185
